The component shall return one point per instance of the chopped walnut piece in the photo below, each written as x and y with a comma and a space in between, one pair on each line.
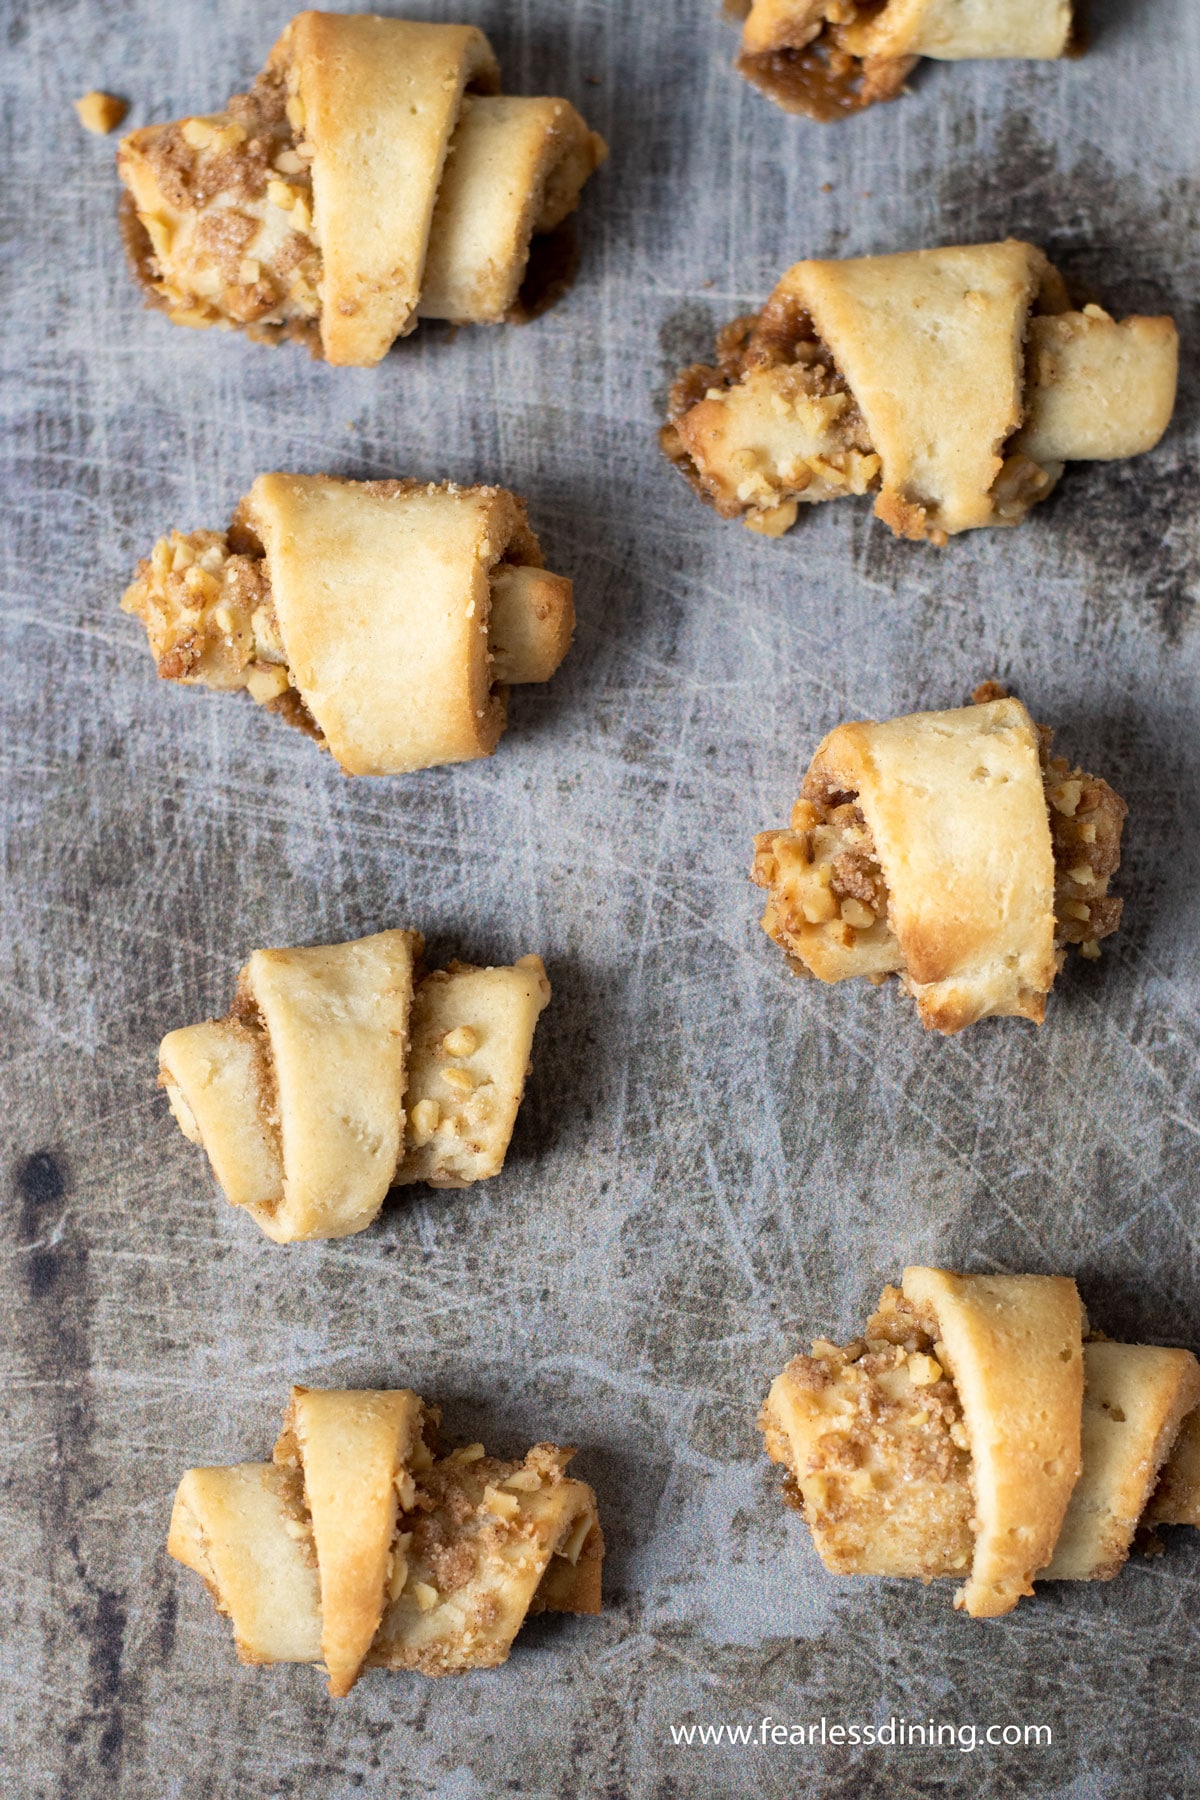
100, 112
208, 614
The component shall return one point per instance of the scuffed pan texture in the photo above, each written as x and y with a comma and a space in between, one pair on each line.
712, 1161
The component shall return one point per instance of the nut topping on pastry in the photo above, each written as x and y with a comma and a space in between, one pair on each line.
373, 175
950, 849
975, 1431
386, 618
362, 1545
951, 384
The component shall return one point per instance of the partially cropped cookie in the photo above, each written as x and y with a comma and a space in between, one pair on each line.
386, 618
950, 849
343, 1070
977, 1431
828, 58
953, 385
362, 1545
373, 176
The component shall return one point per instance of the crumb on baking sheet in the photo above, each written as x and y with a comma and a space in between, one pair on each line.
100, 112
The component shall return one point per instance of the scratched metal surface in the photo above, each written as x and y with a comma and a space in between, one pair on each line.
712, 1162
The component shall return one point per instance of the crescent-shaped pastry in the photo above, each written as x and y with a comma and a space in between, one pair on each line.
950, 849
362, 1546
338, 1075
388, 619
951, 384
975, 1431
828, 58
373, 175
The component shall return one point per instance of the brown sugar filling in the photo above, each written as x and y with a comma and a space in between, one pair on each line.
1086, 819
880, 1465
458, 1514
817, 73
218, 223
823, 871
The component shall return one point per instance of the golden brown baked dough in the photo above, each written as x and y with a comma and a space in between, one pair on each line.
973, 1432
374, 174
949, 849
386, 618
337, 1076
952, 384
362, 1545
827, 58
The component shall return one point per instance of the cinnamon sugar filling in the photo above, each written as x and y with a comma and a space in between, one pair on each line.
875, 1450
813, 68
221, 227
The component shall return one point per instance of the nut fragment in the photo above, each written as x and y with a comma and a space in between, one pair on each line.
523, 1481
923, 1371
398, 1565
461, 1080
574, 1543
775, 520
423, 1120
467, 1453
267, 684
424, 1595
462, 1041
505, 1506
209, 134
1066, 796
857, 913
100, 112
819, 906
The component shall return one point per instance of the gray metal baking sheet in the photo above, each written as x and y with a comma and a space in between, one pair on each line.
713, 1162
